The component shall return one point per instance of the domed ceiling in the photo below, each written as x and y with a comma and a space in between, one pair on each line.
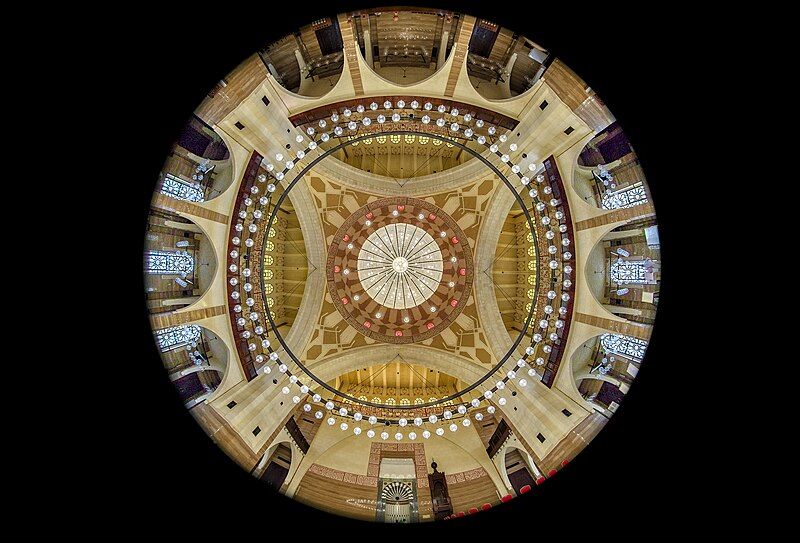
394, 235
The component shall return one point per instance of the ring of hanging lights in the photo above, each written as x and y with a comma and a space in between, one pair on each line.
254, 331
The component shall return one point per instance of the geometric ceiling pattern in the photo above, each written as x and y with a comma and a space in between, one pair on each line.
370, 273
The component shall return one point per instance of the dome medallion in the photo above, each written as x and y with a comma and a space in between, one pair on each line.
399, 270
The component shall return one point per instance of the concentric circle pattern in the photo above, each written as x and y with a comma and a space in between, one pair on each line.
399, 270
400, 266
343, 286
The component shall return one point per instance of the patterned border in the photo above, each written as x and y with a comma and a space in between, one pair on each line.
464, 476
418, 450
373, 468
553, 362
344, 476
248, 180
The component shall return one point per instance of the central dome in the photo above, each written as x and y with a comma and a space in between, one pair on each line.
399, 270
400, 265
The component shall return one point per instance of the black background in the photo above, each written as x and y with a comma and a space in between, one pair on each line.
642, 466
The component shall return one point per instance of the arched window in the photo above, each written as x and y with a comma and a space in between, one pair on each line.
362, 398
437, 142
418, 401
424, 140
404, 401
177, 336
182, 190
394, 138
168, 262
431, 399
409, 138
376, 400
625, 272
380, 139
625, 345
626, 197
390, 401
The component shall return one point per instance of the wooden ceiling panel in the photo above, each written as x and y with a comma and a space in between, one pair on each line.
413, 33
281, 55
309, 39
524, 68
397, 375
500, 51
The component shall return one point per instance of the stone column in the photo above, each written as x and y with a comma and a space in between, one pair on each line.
300, 60
623, 234
180, 301
619, 310
304, 81
368, 49
188, 227
274, 72
507, 77
442, 49
199, 399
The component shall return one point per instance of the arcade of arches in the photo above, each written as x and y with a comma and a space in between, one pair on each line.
402, 265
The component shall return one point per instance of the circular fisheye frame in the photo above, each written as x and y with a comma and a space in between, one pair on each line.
347, 278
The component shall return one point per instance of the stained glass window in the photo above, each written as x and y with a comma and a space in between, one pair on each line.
409, 138
180, 189
623, 345
362, 398
629, 271
424, 140
431, 400
368, 141
404, 401
418, 401
395, 138
626, 197
390, 401
177, 336
376, 400
168, 262
437, 142
380, 139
